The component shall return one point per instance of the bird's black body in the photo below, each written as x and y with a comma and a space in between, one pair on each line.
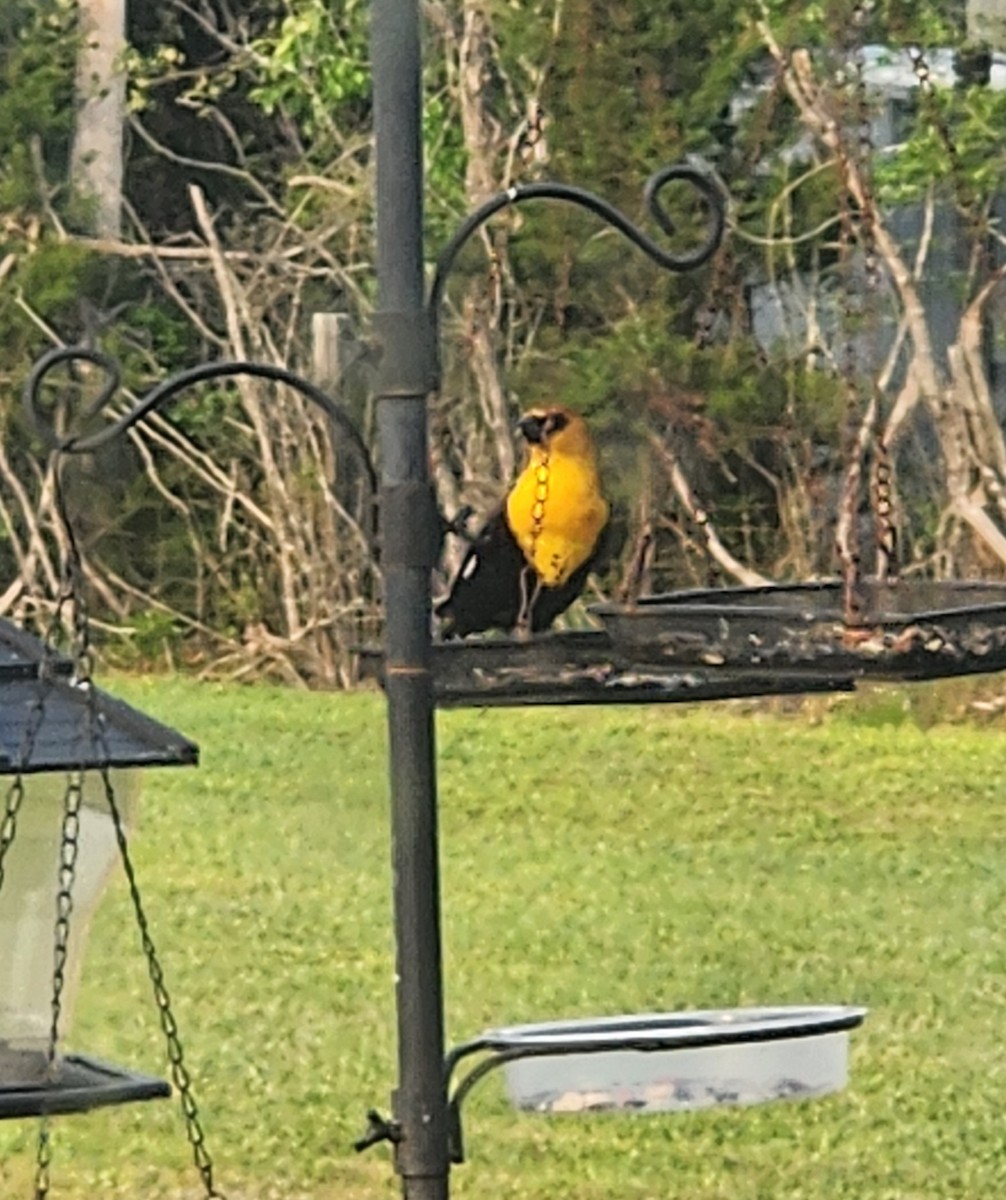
531, 559
489, 590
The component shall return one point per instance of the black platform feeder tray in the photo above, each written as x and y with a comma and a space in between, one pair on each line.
907, 630
587, 667
80, 1084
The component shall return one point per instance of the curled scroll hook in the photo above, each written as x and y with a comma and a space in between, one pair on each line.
708, 189
166, 392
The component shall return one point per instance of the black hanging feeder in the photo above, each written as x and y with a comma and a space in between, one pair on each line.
58, 734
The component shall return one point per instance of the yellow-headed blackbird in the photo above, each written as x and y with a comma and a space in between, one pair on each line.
531, 559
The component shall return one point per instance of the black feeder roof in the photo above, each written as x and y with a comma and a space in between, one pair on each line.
50, 723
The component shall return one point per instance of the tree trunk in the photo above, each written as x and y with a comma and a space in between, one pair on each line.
987, 22
96, 168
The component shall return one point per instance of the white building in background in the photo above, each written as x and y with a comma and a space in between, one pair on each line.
786, 313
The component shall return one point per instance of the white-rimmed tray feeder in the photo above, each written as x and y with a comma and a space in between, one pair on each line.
52, 728
663, 1062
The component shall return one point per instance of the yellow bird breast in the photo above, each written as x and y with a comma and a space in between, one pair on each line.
556, 512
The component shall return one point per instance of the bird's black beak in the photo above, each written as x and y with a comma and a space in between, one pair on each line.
532, 427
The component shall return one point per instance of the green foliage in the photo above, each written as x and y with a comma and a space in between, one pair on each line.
968, 120
446, 161
155, 638
161, 332
934, 23
37, 47
315, 65
667, 69
651, 89
53, 279
841, 23
644, 368
145, 69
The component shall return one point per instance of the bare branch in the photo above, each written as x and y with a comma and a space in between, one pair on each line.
239, 173
711, 540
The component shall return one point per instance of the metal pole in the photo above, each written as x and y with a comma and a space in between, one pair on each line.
409, 549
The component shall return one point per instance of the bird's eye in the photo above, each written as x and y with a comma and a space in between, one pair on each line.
556, 421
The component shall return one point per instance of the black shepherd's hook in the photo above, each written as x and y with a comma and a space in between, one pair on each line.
703, 183
161, 396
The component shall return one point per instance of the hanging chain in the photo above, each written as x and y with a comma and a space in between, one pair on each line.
541, 481
858, 227
71, 594
83, 659
169, 1026
883, 508
530, 581
710, 309
847, 528
882, 468
966, 198
68, 848
68, 852
882, 472
8, 827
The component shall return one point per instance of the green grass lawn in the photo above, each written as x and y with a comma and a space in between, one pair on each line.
594, 861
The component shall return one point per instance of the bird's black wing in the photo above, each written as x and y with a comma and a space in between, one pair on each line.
494, 581
486, 594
